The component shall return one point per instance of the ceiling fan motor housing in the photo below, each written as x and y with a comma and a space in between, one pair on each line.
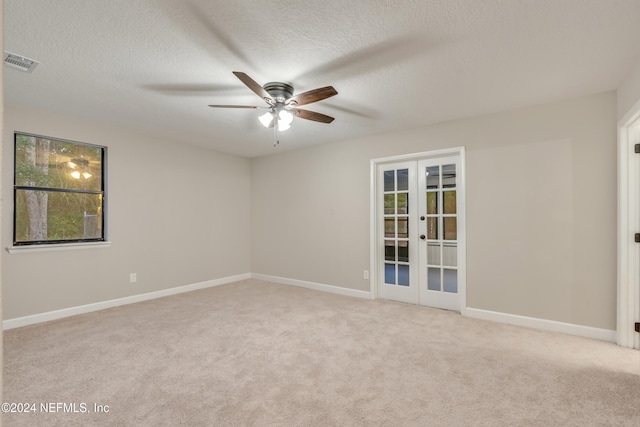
279, 91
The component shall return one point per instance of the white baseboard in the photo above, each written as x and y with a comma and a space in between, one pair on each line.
72, 311
494, 316
312, 285
543, 324
512, 319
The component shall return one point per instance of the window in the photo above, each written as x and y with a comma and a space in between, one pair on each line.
58, 191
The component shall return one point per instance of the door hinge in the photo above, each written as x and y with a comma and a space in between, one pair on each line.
637, 326
636, 148
637, 237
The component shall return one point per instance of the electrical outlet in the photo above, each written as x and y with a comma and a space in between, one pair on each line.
365, 274
132, 277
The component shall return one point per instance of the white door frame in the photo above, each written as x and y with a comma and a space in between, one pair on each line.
374, 216
628, 225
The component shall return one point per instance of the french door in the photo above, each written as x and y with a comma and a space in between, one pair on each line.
420, 232
397, 267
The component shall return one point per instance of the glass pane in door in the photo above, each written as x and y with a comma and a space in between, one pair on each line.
389, 227
403, 275
433, 279
448, 176
449, 202
432, 202
389, 250
450, 280
433, 177
403, 203
403, 228
389, 203
433, 253
403, 251
450, 228
390, 274
449, 254
403, 179
432, 228
389, 181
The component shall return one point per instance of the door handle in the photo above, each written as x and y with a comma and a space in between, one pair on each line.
422, 236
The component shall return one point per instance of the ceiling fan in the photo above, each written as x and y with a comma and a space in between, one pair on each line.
282, 104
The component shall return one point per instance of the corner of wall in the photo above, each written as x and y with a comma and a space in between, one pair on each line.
628, 92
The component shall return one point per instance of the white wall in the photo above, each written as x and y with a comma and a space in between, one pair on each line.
541, 209
177, 215
629, 91
541, 205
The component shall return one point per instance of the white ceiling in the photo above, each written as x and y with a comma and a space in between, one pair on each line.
155, 65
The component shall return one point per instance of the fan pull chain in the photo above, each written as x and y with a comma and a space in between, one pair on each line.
276, 141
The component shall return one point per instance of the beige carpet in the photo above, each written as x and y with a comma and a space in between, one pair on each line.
259, 354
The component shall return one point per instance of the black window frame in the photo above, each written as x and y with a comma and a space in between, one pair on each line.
102, 192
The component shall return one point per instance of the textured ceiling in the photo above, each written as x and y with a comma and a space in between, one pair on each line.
155, 65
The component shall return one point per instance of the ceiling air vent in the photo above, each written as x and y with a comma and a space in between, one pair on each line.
19, 62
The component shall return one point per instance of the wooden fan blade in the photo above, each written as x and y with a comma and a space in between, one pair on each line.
234, 106
255, 87
312, 115
314, 95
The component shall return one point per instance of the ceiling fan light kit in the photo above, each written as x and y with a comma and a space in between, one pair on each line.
283, 118
282, 104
